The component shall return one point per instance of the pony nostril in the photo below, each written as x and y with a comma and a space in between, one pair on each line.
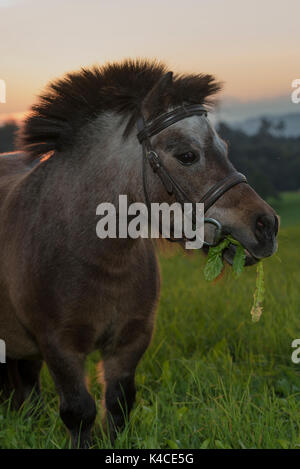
266, 226
260, 224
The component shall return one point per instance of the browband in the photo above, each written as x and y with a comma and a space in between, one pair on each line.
165, 120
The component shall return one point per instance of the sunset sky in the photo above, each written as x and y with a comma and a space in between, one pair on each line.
254, 47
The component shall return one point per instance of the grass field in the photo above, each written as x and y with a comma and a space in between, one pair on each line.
211, 378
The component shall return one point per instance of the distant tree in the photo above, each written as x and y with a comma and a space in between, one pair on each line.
270, 162
265, 127
280, 126
7, 136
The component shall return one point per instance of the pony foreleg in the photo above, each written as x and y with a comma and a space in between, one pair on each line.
77, 407
119, 376
19, 379
30, 375
9, 381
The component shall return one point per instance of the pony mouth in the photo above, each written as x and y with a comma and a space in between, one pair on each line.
229, 254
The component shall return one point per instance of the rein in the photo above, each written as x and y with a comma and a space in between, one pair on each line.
148, 130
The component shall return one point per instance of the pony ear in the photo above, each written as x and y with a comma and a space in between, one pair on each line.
159, 97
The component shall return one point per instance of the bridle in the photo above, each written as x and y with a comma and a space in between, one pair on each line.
146, 131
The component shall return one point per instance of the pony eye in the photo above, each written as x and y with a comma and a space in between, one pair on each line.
187, 158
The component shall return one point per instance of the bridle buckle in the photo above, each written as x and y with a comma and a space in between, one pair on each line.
154, 160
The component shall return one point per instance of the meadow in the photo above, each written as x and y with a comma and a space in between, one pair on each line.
212, 378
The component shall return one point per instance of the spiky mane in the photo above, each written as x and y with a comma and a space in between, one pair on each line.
69, 103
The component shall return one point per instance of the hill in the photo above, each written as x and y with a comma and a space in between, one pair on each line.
285, 125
